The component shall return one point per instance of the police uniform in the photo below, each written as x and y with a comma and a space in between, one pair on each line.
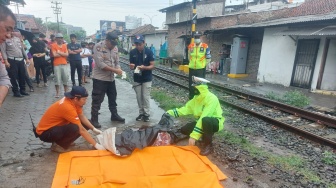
13, 51
198, 55
103, 81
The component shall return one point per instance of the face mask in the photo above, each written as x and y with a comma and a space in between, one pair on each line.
197, 41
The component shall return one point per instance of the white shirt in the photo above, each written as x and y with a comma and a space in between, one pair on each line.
85, 60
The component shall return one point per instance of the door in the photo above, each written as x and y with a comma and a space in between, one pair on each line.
304, 64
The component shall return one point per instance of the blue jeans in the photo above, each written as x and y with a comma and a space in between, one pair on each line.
221, 65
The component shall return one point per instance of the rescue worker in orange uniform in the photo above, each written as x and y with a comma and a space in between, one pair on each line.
199, 56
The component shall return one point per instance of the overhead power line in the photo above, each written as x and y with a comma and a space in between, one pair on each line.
57, 11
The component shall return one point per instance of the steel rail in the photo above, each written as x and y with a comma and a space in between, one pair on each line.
283, 107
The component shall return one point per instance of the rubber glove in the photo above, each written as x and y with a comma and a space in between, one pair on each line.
97, 131
99, 147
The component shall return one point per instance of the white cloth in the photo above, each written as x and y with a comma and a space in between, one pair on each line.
85, 60
107, 139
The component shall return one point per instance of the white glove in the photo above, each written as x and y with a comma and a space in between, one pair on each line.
97, 131
99, 147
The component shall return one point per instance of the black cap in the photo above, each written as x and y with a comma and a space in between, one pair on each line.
76, 91
113, 38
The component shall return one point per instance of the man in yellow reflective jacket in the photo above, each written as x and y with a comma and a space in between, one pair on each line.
199, 53
207, 110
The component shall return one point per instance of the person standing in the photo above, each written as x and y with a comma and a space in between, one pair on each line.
7, 23
205, 107
142, 62
85, 54
224, 53
90, 47
106, 57
38, 53
75, 59
198, 52
60, 51
64, 122
52, 41
14, 57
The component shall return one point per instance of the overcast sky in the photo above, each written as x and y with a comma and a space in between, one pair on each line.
87, 13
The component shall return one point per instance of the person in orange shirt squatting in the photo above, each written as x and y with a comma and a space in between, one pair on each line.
64, 122
61, 69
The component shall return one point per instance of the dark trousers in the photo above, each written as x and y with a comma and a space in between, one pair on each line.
28, 80
90, 66
76, 65
17, 75
198, 73
52, 64
209, 127
61, 135
40, 66
100, 88
221, 66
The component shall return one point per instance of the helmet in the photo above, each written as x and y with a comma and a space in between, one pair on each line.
197, 34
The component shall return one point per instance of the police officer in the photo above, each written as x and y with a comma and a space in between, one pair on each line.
14, 57
199, 55
106, 59
205, 107
7, 23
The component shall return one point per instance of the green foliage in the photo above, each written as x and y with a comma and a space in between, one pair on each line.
329, 158
166, 101
290, 163
38, 21
80, 35
294, 98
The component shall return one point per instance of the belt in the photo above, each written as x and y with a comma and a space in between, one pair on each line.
16, 58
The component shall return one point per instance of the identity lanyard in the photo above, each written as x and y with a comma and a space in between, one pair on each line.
143, 56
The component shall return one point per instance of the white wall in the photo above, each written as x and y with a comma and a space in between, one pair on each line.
277, 58
329, 77
156, 40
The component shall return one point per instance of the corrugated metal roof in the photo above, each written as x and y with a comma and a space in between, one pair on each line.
284, 21
309, 31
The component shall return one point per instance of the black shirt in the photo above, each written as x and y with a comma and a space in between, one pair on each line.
74, 57
137, 58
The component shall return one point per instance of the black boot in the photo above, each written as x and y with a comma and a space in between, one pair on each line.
207, 150
116, 117
94, 120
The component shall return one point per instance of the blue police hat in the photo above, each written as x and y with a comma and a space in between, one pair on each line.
139, 39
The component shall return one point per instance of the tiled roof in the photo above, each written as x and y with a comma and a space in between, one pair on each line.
29, 21
143, 29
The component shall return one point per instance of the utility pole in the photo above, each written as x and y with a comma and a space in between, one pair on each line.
57, 11
194, 20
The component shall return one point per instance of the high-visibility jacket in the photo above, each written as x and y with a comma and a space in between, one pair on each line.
197, 55
206, 104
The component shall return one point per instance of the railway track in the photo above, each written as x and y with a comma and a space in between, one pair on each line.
314, 126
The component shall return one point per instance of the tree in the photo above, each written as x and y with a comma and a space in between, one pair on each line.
81, 34
39, 21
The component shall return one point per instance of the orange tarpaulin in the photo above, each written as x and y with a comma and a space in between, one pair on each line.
161, 167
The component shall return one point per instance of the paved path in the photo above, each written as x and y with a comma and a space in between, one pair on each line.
27, 162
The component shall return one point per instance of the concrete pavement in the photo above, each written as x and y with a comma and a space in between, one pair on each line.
28, 162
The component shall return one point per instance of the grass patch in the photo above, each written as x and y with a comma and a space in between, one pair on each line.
329, 158
166, 101
294, 98
290, 163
